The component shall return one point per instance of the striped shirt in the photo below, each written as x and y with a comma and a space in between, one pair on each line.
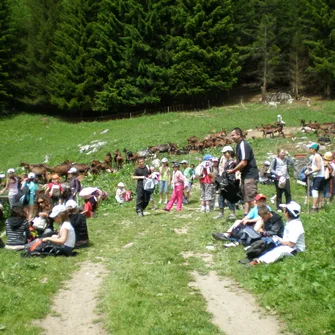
18, 234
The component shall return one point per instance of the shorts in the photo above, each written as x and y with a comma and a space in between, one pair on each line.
318, 183
249, 189
163, 186
206, 192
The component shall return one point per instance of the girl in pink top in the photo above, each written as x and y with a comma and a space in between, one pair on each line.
178, 181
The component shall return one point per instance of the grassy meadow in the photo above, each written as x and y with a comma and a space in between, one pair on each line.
147, 290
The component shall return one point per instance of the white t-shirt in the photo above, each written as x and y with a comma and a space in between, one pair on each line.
294, 232
71, 236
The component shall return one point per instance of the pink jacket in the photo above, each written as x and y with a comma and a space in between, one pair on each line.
178, 178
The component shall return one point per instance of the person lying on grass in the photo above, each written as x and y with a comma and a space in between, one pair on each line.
293, 240
66, 238
252, 219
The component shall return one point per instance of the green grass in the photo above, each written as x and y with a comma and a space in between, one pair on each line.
147, 290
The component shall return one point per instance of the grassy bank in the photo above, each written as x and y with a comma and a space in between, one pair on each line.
147, 290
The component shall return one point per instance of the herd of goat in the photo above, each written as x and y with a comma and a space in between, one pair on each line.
115, 161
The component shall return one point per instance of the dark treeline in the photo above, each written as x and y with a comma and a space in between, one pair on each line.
92, 56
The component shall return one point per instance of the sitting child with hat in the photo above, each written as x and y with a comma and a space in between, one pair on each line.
122, 195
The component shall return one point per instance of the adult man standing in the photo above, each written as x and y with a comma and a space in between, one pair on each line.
246, 164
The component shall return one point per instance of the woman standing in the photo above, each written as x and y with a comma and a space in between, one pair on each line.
142, 196
178, 188
317, 170
279, 168
229, 163
328, 187
165, 179
65, 241
12, 185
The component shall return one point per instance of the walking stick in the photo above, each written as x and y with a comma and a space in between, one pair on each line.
308, 190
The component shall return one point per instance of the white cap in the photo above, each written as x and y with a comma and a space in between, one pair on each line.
71, 204
31, 175
164, 160
184, 161
121, 184
57, 210
2, 175
293, 207
227, 148
73, 170
215, 159
267, 163
10, 171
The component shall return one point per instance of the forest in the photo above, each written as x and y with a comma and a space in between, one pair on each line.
108, 56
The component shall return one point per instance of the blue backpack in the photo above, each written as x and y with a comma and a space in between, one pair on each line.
301, 174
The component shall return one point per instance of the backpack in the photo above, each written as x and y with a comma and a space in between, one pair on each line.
128, 196
198, 171
259, 247
249, 236
301, 175
39, 248
55, 191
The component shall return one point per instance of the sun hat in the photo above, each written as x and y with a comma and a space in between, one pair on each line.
293, 207
314, 146
31, 175
282, 182
164, 160
267, 163
260, 196
120, 184
71, 204
57, 210
55, 176
227, 148
328, 156
207, 157
10, 171
215, 159
73, 170
184, 161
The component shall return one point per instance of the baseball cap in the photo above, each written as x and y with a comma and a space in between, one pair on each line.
73, 170
164, 160
267, 163
176, 164
313, 146
184, 161
207, 157
215, 159
293, 207
31, 175
260, 196
227, 148
10, 171
71, 204
57, 210
120, 184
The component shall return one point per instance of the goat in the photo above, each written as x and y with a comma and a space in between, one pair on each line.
61, 169
129, 155
118, 159
39, 170
108, 158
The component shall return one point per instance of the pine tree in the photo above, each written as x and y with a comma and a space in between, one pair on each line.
8, 56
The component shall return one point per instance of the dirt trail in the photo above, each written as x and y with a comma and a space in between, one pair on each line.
234, 310
74, 305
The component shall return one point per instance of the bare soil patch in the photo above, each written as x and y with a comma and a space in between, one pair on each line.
234, 310
73, 310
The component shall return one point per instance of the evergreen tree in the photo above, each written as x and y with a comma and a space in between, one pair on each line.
8, 55
70, 83
203, 58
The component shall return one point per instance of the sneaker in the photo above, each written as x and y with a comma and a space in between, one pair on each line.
207, 210
140, 214
219, 216
166, 210
220, 237
246, 248
272, 200
253, 263
231, 245
160, 201
232, 217
165, 202
202, 209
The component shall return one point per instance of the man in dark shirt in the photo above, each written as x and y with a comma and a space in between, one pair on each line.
272, 223
142, 196
246, 164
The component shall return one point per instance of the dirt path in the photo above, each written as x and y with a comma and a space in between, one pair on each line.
234, 310
74, 305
